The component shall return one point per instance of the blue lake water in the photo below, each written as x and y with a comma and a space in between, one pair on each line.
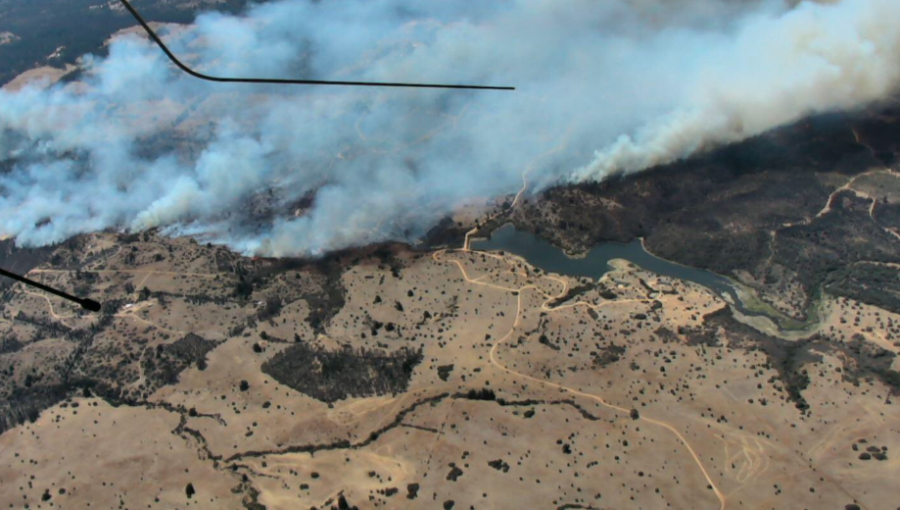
595, 263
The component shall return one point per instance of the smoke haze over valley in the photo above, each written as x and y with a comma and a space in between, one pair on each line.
662, 273
616, 86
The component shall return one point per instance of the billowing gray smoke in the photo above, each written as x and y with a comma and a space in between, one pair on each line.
619, 85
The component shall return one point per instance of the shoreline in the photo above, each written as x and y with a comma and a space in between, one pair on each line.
744, 302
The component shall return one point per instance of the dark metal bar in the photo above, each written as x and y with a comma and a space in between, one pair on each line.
87, 304
276, 81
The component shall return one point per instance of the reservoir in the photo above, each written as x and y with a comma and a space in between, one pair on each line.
595, 264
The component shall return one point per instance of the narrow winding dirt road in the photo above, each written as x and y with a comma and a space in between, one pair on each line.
495, 361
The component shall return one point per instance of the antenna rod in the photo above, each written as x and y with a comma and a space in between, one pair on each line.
220, 79
94, 306
87, 304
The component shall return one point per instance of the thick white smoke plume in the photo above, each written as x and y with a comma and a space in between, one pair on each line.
619, 85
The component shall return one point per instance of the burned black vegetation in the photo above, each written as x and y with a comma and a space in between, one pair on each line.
870, 283
20, 260
330, 376
765, 208
318, 284
845, 250
445, 233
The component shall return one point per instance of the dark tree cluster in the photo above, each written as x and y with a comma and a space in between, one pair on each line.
335, 375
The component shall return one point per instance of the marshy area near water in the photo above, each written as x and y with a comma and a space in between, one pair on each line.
595, 263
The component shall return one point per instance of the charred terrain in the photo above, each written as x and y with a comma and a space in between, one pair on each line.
427, 374
398, 377
802, 210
